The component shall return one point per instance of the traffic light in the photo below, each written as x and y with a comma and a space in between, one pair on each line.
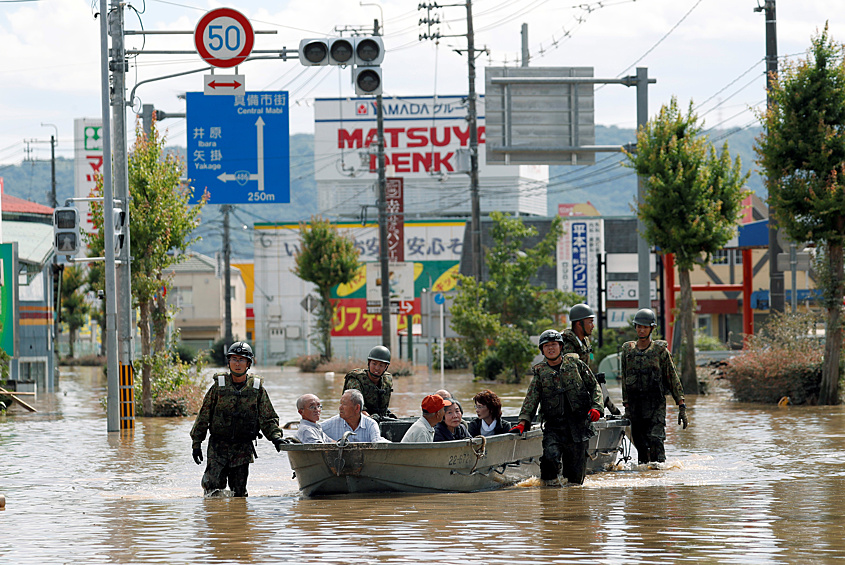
326, 51
66, 240
119, 217
366, 76
363, 53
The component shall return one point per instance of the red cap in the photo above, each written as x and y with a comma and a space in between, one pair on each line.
433, 403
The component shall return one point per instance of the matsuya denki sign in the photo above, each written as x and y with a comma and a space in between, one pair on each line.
421, 134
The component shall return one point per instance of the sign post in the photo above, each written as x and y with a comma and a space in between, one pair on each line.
439, 299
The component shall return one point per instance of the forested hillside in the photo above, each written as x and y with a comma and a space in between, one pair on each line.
610, 186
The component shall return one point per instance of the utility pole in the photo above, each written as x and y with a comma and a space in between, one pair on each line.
112, 367
643, 252
473, 151
227, 276
776, 279
56, 270
382, 222
526, 55
472, 119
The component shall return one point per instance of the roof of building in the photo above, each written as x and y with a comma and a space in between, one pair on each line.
35, 241
198, 263
15, 205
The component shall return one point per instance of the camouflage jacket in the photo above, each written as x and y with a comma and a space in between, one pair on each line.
647, 377
572, 345
376, 396
234, 417
564, 395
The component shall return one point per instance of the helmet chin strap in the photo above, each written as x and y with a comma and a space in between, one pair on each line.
559, 355
242, 373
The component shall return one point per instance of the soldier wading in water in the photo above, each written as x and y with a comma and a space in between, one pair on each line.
648, 375
234, 410
374, 382
567, 394
577, 340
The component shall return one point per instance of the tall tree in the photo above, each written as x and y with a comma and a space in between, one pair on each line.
162, 222
504, 310
326, 258
74, 308
802, 151
692, 203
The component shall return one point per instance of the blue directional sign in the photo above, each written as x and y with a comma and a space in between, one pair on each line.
238, 147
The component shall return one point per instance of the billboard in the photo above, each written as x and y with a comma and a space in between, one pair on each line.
87, 164
8, 297
577, 261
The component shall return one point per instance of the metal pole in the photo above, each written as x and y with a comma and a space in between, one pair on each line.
642, 245
227, 277
600, 304
793, 265
112, 369
442, 348
382, 230
526, 56
776, 282
121, 186
473, 151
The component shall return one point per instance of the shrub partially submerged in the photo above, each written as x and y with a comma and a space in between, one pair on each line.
783, 359
315, 364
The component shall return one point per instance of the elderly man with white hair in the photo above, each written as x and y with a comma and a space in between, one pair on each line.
350, 419
310, 431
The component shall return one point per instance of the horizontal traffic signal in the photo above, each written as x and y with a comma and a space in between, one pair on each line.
362, 50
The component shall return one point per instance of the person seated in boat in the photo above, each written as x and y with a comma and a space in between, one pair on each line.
310, 430
488, 408
452, 426
375, 384
443, 393
433, 409
350, 418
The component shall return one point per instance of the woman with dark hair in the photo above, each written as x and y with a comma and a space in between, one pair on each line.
488, 408
452, 426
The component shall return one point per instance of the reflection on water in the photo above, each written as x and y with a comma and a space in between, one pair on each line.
744, 484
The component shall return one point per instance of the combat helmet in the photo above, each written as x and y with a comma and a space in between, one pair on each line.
580, 312
241, 348
549, 335
645, 317
379, 353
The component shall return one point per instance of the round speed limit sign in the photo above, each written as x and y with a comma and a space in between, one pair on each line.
224, 37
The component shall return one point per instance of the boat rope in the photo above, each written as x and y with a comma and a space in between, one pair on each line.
479, 451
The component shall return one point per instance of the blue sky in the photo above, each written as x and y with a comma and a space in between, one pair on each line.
710, 51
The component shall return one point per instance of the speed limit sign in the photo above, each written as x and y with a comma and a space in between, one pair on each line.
224, 37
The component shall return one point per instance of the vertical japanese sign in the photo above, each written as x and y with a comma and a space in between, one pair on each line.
87, 164
8, 297
578, 251
395, 200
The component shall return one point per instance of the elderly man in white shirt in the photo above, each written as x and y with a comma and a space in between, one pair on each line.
350, 419
310, 431
433, 409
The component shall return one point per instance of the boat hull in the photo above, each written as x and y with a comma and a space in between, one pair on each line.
467, 465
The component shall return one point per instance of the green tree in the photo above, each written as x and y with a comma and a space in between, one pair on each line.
496, 315
74, 308
692, 203
802, 151
162, 222
326, 258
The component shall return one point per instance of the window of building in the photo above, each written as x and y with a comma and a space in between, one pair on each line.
721, 257
185, 295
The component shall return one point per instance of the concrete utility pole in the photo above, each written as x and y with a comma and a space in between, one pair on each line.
776, 280
526, 55
643, 255
227, 276
112, 368
472, 117
119, 66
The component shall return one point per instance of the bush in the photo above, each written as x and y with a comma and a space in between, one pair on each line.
185, 352
454, 356
308, 363
177, 388
612, 339
489, 367
778, 361
218, 353
515, 351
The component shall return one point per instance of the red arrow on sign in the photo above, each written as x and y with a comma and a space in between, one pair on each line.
215, 84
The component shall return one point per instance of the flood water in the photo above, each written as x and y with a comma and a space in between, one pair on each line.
744, 484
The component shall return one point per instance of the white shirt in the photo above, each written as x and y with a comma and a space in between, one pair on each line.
488, 429
419, 432
367, 431
311, 432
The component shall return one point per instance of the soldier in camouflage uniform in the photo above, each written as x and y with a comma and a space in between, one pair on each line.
567, 395
648, 374
234, 409
577, 340
375, 383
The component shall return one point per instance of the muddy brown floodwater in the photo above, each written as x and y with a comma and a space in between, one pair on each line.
744, 484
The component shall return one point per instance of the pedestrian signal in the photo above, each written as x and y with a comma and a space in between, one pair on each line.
66, 240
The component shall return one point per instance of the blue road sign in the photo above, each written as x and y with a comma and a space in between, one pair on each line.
238, 147
439, 298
